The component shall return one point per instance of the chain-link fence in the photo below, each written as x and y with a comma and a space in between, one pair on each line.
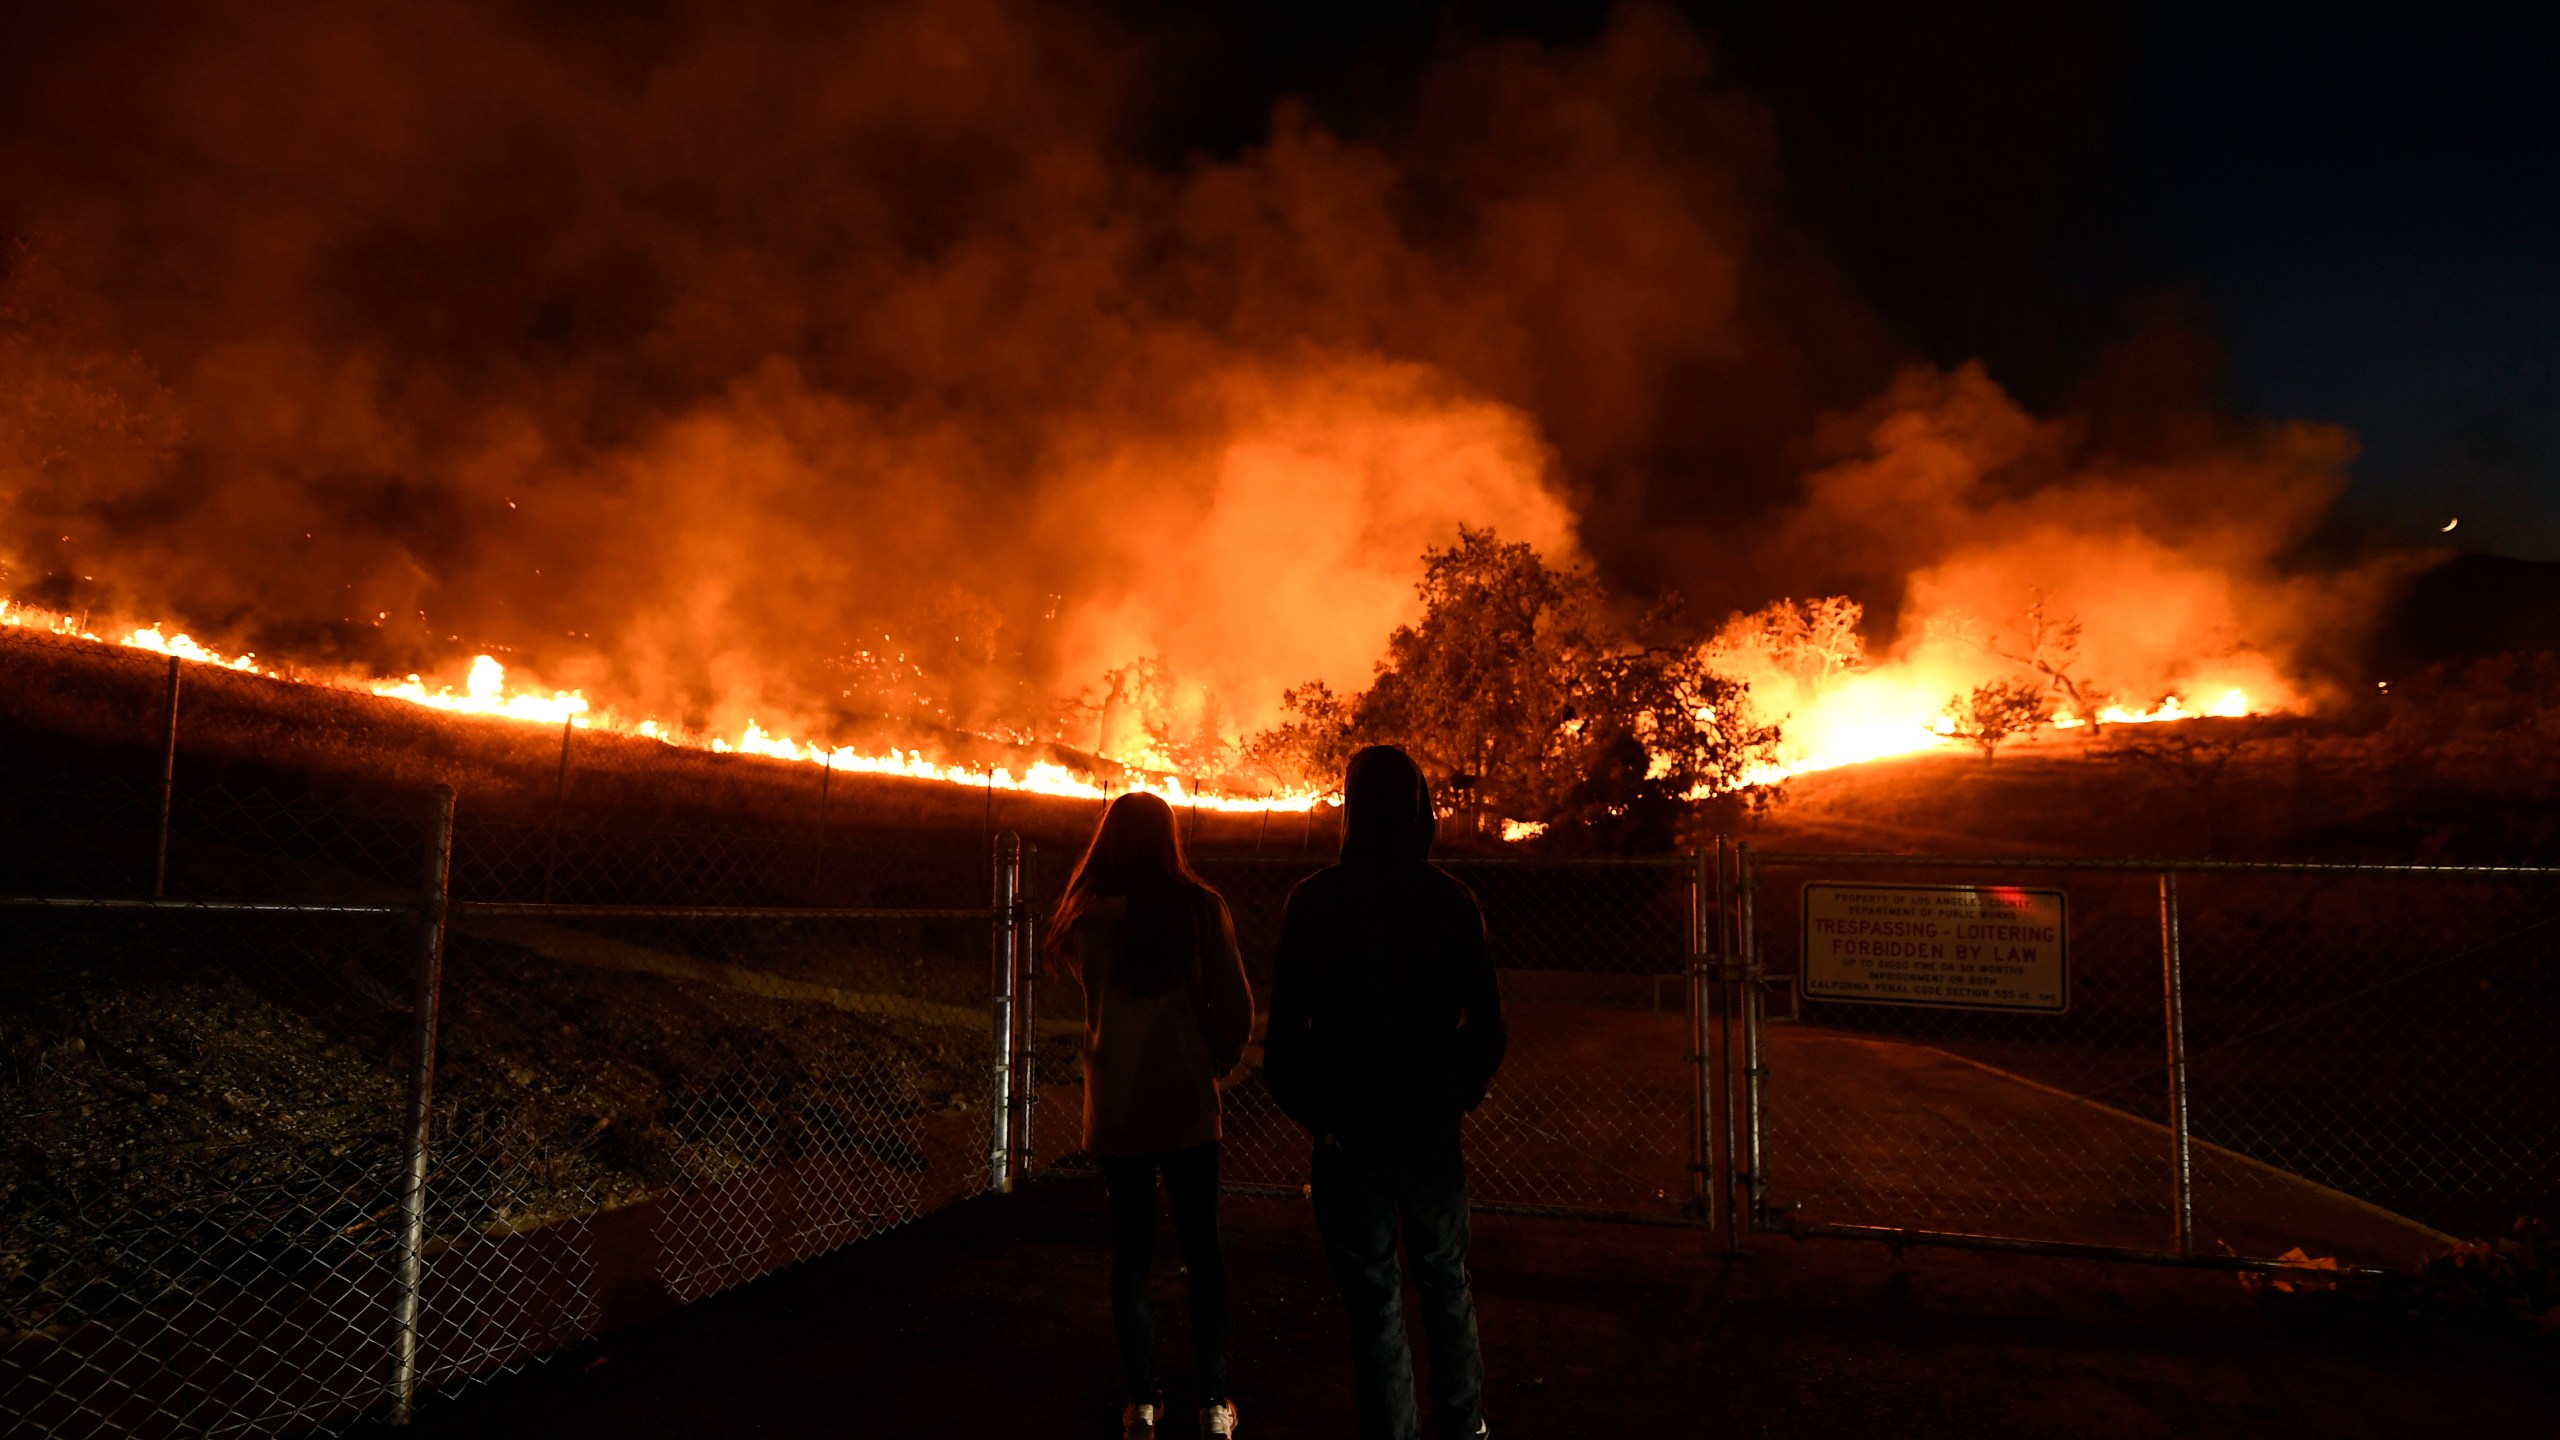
2387, 1035
2203, 1062
317, 1110
707, 1056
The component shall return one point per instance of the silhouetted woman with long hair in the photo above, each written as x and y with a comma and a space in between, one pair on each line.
1167, 1012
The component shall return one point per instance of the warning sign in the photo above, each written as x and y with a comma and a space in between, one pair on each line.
1991, 947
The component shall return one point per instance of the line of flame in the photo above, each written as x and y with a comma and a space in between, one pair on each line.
1887, 741
485, 694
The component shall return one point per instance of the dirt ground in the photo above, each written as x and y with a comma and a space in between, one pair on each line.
990, 1319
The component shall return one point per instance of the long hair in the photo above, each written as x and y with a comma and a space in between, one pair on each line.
1136, 855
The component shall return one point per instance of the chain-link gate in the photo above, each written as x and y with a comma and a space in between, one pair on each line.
330, 1126
2253, 1058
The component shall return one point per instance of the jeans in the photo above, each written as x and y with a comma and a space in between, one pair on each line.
1191, 1177
1362, 1188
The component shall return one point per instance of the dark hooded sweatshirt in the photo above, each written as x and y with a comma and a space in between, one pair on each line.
1385, 1021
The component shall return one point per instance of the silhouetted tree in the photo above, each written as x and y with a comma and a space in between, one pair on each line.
1996, 713
1313, 748
1813, 641
1524, 699
2050, 646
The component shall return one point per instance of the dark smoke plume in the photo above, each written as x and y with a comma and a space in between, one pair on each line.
793, 360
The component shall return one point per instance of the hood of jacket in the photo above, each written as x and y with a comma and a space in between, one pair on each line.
1386, 808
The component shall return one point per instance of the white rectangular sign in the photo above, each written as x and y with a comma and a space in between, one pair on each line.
1969, 947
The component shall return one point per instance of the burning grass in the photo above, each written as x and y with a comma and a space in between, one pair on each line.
89, 714
2460, 766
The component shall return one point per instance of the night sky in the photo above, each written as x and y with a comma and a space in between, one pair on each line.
2359, 205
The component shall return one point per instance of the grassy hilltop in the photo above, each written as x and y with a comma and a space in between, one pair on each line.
82, 714
2459, 766
2459, 763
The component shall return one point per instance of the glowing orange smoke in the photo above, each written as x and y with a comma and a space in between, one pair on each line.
1878, 721
1809, 673
1861, 714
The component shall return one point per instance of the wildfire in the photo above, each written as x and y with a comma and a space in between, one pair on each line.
1856, 737
1873, 714
1809, 673
1041, 777
183, 647
2233, 705
485, 693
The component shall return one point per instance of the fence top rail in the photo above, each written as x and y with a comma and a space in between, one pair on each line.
289, 907
1680, 860
494, 909
1764, 859
487, 909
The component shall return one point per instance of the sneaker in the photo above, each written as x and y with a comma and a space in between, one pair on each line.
1218, 1419
1138, 1422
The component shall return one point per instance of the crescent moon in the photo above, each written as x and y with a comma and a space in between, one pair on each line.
2449, 524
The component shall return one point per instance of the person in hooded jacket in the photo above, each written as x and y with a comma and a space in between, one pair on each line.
1167, 1013
1385, 1030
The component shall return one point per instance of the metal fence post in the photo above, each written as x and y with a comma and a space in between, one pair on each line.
1701, 1101
1729, 993
422, 1079
559, 808
2173, 989
168, 788
1026, 956
1755, 1060
818, 862
1008, 881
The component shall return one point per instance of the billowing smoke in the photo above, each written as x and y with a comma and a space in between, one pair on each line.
2009, 549
807, 362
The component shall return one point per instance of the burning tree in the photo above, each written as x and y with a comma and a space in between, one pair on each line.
2051, 647
1144, 717
1812, 642
1517, 692
1312, 749
1996, 713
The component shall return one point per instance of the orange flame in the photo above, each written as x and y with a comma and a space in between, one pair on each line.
1894, 709
485, 694
1855, 724
184, 647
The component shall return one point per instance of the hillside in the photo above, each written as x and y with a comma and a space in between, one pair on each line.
79, 717
2463, 768
2451, 763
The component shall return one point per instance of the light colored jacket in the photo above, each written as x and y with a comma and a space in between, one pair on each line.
1152, 1063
